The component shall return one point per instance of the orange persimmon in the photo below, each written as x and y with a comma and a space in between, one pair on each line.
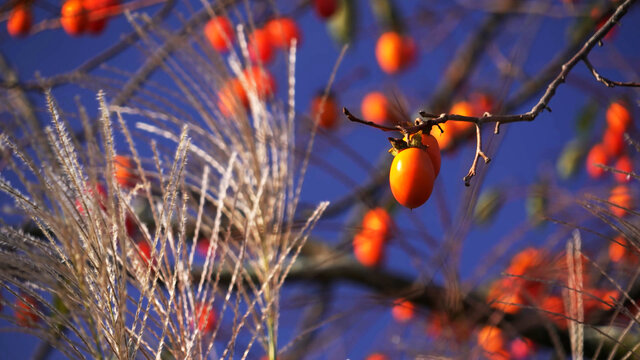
124, 171
73, 17
260, 47
20, 20
618, 117
219, 32
326, 113
621, 200
597, 155
623, 164
375, 108
411, 177
25, 311
402, 310
282, 32
368, 248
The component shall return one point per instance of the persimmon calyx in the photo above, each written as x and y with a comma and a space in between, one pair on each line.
414, 140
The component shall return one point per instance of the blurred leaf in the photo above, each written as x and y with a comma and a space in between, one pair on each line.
536, 203
571, 158
386, 14
586, 118
489, 203
342, 24
59, 305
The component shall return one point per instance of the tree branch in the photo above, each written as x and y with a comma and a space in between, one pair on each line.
604, 80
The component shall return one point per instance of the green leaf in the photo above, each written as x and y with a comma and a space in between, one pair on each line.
586, 118
489, 203
386, 14
571, 158
342, 24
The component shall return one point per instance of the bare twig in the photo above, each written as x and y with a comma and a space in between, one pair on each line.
479, 153
351, 117
604, 80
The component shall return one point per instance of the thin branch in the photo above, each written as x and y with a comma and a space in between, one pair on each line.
604, 80
479, 154
351, 117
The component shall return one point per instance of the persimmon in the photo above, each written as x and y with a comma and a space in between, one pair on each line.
260, 47
446, 137
504, 296
260, 80
409, 51
282, 31
621, 200
403, 310
525, 260
521, 349
231, 95
623, 164
98, 193
97, 14
375, 108
73, 17
368, 248
326, 113
553, 307
219, 32
617, 249
481, 103
123, 171
597, 155
433, 150
377, 356
25, 311
618, 117
411, 177
144, 251
389, 52
325, 8
490, 339
206, 317
377, 222
463, 108
20, 20
613, 142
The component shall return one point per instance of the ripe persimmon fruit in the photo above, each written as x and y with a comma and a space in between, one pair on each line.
123, 171
620, 196
219, 32
232, 95
375, 108
389, 52
260, 47
597, 155
433, 150
97, 14
260, 80
623, 164
377, 356
613, 142
618, 117
377, 222
282, 31
368, 248
73, 17
411, 177
326, 113
403, 310
490, 339
25, 312
20, 20
325, 8
206, 317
